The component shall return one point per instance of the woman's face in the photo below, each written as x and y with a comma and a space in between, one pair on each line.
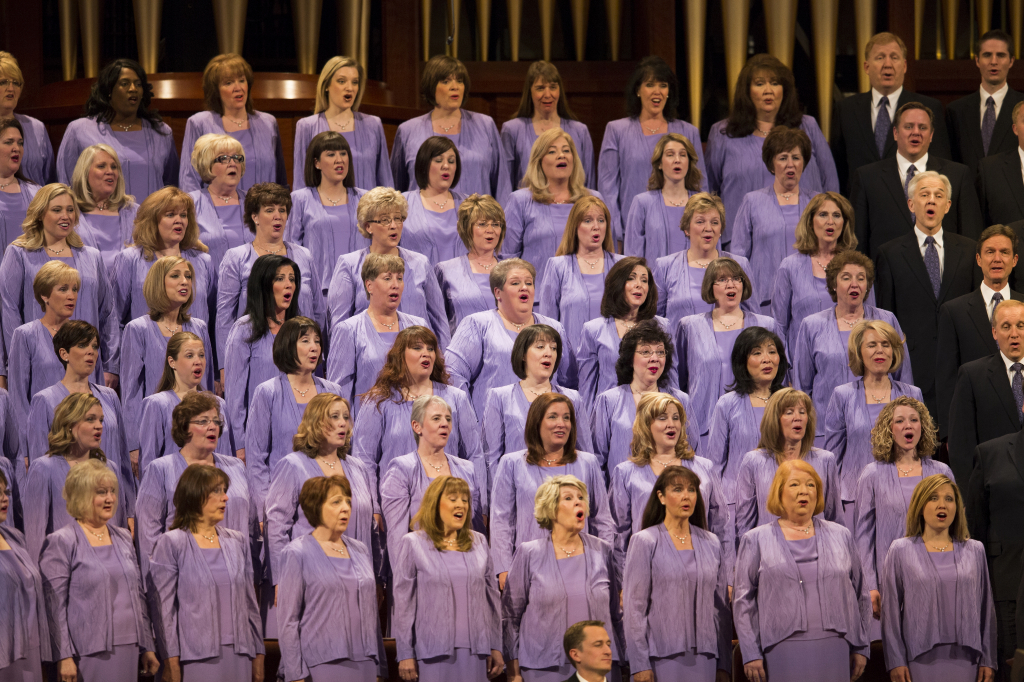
5, 501
333, 165
675, 162
766, 92
649, 362
386, 229
178, 284
89, 432
449, 92
453, 509
876, 352
828, 224
679, 498
419, 360
344, 88
637, 287
190, 365
592, 229
103, 174
557, 162
793, 421
940, 510
270, 222
284, 287
571, 512
906, 428
228, 170
234, 91
386, 290
82, 357
667, 428
336, 512
517, 292
555, 426
727, 290
763, 363
62, 299
799, 494
204, 430
540, 359
486, 233
127, 94
104, 501
12, 151
442, 171
10, 93
307, 351
653, 96
436, 426
337, 426
705, 229
852, 285
545, 96
172, 225
788, 166
60, 218
215, 506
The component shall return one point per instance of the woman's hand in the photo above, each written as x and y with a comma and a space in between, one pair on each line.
495, 664
275, 595
407, 670
240, 454
111, 380
755, 671
218, 388
502, 577
68, 670
876, 604
134, 457
150, 664
902, 674
514, 674
644, 676
257, 668
986, 674
172, 670
857, 664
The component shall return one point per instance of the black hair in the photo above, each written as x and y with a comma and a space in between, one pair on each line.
286, 342
748, 340
527, 338
656, 68
259, 304
98, 105
645, 333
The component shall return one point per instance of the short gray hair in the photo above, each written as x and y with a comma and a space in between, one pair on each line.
419, 408
930, 175
545, 502
80, 486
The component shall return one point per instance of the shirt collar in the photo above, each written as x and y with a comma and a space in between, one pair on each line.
904, 163
998, 95
894, 97
921, 236
1006, 361
987, 292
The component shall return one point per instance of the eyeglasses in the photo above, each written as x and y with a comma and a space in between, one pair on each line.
206, 422
488, 226
648, 353
7, 82
388, 222
230, 157
729, 280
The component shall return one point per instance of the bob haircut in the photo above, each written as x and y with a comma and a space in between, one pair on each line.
742, 119
146, 233
993, 231
323, 102
477, 207
772, 439
80, 180
545, 72
69, 413
260, 303
691, 180
613, 302
80, 486
883, 445
537, 182
74, 334
98, 105
219, 68
534, 444
883, 329
883, 38
929, 175
923, 492
652, 68
315, 493
286, 353
432, 147
702, 202
195, 486
394, 375
428, 516
375, 203
646, 333
327, 141
154, 288
529, 336
175, 345
807, 240
840, 261
650, 407
190, 407
723, 267
208, 147
500, 273
571, 234
310, 434
51, 275
262, 195
11, 122
782, 139
437, 69
654, 512
377, 264
32, 238
785, 470
749, 340
545, 501
419, 408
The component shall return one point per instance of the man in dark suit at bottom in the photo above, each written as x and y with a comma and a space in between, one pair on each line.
589, 646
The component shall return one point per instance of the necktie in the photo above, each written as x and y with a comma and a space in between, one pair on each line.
996, 298
931, 263
988, 123
911, 172
1018, 388
883, 126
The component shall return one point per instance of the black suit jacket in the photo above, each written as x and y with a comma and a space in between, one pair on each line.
880, 207
902, 286
983, 408
963, 120
1001, 188
1017, 276
995, 498
853, 138
965, 334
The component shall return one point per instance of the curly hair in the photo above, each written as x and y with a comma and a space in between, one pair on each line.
646, 333
394, 375
840, 261
98, 105
545, 500
310, 434
70, 413
650, 407
883, 445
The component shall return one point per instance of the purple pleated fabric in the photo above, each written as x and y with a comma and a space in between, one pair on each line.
155, 439
370, 165
219, 236
329, 232
461, 290
653, 230
431, 234
261, 142
565, 294
248, 366
37, 163
679, 286
755, 476
735, 431
518, 137
24, 635
13, 207
108, 234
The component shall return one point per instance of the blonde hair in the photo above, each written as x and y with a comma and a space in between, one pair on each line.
650, 407
9, 68
571, 234
476, 207
32, 237
428, 516
80, 180
545, 502
883, 445
80, 486
146, 234
327, 74
883, 329
772, 439
537, 182
154, 288
310, 434
206, 150
377, 201
70, 412
702, 202
807, 240
53, 273
884, 38
377, 264
782, 474
922, 493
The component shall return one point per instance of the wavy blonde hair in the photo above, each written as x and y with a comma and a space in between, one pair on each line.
80, 486
69, 413
154, 288
324, 83
883, 445
922, 492
537, 182
428, 516
146, 234
650, 407
32, 237
571, 234
545, 501
80, 180
310, 434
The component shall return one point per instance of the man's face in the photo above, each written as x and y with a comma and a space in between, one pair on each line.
595, 653
994, 61
913, 134
886, 66
1009, 331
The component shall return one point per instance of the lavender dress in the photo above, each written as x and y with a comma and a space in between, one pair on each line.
464, 292
261, 145
735, 431
573, 297
679, 286
24, 635
434, 235
329, 232
155, 438
37, 163
248, 366
108, 234
370, 164
654, 230
518, 138
754, 479
13, 207
220, 227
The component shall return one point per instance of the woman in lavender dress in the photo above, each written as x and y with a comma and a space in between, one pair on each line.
652, 106
787, 433
95, 602
550, 451
800, 604
876, 353
944, 630
219, 161
38, 158
766, 97
447, 623
444, 84
572, 290
654, 226
562, 577
330, 628
108, 214
338, 93
118, 114
821, 357
227, 80
16, 190
676, 566
201, 585
431, 229
465, 280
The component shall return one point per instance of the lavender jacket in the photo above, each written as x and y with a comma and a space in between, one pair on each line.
676, 298
37, 163
564, 296
89, 231
757, 471
735, 431
461, 294
655, 592
10, 428
14, 600
11, 217
535, 607
211, 229
370, 164
649, 227
184, 597
248, 366
518, 137
431, 234
312, 610
310, 225
512, 497
881, 516
911, 583
821, 362
264, 160
484, 170
424, 620
154, 436
79, 594
848, 431
768, 604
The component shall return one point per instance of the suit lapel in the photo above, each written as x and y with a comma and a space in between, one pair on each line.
976, 311
952, 261
915, 262
891, 179
1004, 121
1016, 452
863, 116
1012, 173
972, 123
1001, 384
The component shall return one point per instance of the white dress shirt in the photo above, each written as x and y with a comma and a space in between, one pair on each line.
580, 679
876, 96
921, 236
987, 292
904, 164
1020, 152
1009, 363
998, 96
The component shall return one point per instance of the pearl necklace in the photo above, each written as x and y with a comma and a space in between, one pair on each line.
727, 326
446, 129
682, 539
787, 196
664, 465
592, 264
100, 205
302, 394
98, 536
268, 251
552, 462
762, 133
819, 264
703, 266
943, 548
329, 463
339, 550
124, 128
169, 330
519, 327
241, 123
209, 538
440, 205
764, 400
904, 472
8, 184
806, 530
485, 267
451, 543
383, 323
850, 324
878, 400
340, 126
538, 393
333, 202
226, 199
568, 552
677, 204
655, 129
56, 252
436, 467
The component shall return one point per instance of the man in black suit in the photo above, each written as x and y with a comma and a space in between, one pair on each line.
917, 273
965, 329
978, 127
879, 190
1000, 183
984, 403
858, 138
589, 646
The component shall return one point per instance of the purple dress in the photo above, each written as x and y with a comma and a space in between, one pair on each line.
261, 145
754, 479
679, 286
568, 295
248, 366
13, 207
154, 436
329, 232
735, 431
518, 137
37, 163
10, 431
464, 292
654, 230
370, 165
24, 635
108, 234
431, 234
220, 229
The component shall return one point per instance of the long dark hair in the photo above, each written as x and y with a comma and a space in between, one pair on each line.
656, 68
98, 105
654, 512
259, 304
644, 333
742, 119
394, 375
748, 340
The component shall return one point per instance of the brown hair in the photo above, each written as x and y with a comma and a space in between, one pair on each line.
613, 302
534, 444
772, 439
923, 491
840, 261
285, 353
436, 70
691, 180
807, 240
190, 407
883, 445
69, 413
264, 194
742, 119
72, 334
548, 73
195, 486
327, 141
478, 207
174, 345
702, 202
782, 139
146, 233
774, 501
310, 434
428, 516
571, 234
718, 268
529, 336
219, 68
315, 492
654, 510
394, 375
998, 231
434, 146
911, 106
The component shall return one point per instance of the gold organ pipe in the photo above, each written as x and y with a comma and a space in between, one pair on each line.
229, 18
306, 18
864, 17
825, 19
89, 19
68, 10
696, 19
780, 20
736, 23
